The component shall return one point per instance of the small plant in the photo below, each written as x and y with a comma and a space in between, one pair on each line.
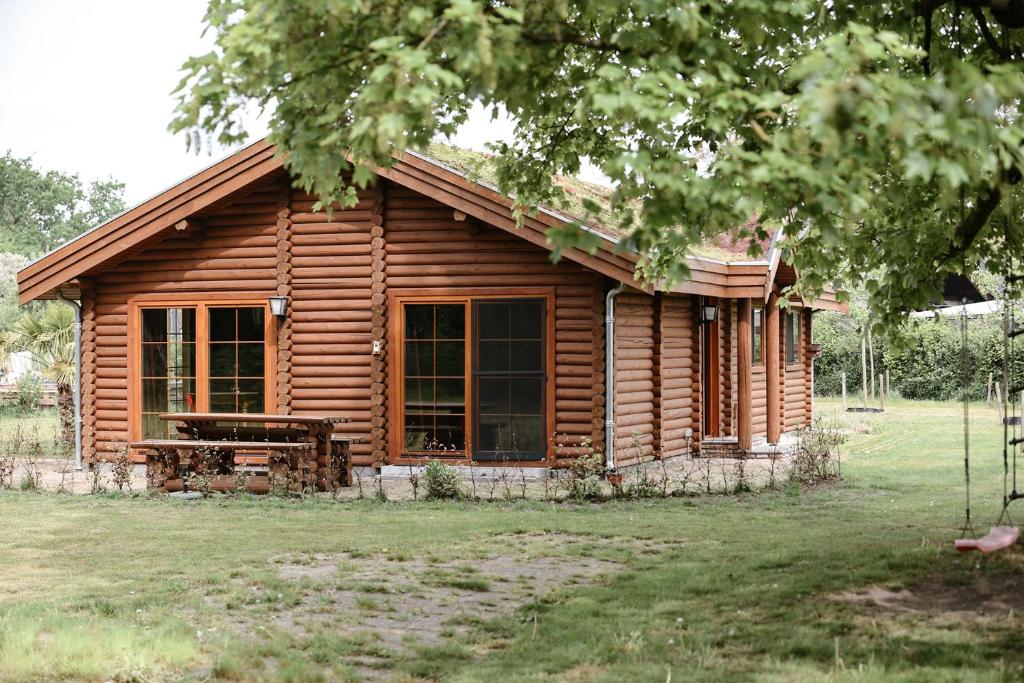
441, 481
121, 469
414, 481
585, 476
8, 461
817, 455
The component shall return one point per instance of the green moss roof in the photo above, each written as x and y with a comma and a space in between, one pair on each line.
480, 167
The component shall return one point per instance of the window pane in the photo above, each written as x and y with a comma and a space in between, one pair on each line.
493, 395
223, 362
527, 433
222, 324
419, 394
527, 394
494, 433
250, 396
154, 360
493, 356
250, 360
451, 359
451, 396
250, 324
527, 320
167, 395
527, 355
419, 358
419, 321
451, 321
161, 324
222, 396
450, 433
493, 320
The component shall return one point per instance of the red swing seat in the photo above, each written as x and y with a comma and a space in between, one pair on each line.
999, 538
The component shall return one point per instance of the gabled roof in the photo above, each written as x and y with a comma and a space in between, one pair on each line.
152, 220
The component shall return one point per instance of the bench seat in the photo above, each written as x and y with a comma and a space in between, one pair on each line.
195, 445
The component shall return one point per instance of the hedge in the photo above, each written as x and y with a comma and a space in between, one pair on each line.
927, 363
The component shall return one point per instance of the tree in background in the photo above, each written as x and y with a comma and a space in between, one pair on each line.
880, 136
49, 334
40, 210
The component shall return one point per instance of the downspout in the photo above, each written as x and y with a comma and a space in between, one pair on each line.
78, 378
609, 375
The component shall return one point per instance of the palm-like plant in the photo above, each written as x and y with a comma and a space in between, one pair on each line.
50, 336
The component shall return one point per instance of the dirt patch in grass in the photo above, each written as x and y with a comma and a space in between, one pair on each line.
983, 595
388, 606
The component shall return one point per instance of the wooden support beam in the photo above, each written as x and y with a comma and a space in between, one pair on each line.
744, 351
772, 369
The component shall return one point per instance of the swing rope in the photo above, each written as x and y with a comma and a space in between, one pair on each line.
967, 527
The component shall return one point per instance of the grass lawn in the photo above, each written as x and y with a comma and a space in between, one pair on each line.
710, 588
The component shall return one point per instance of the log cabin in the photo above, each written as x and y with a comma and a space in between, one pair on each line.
430, 317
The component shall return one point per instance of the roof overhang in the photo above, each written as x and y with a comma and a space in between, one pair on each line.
152, 220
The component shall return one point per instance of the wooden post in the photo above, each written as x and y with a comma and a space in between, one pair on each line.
771, 361
988, 393
864, 370
871, 358
999, 401
744, 361
843, 378
881, 393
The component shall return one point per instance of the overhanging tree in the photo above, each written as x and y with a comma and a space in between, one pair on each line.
882, 137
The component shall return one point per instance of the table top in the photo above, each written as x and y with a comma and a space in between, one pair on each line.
256, 418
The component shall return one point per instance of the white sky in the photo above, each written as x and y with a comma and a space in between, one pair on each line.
86, 89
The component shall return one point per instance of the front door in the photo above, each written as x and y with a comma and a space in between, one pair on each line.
709, 373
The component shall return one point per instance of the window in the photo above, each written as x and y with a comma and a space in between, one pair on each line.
757, 331
236, 349
509, 377
168, 366
201, 357
435, 378
792, 337
473, 379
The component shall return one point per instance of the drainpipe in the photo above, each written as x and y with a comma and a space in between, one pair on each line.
78, 378
609, 378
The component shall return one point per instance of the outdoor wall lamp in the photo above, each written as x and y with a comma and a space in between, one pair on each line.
708, 313
278, 306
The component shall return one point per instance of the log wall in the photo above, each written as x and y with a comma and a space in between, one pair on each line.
635, 425
680, 389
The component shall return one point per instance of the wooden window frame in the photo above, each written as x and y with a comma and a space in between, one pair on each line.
201, 303
397, 299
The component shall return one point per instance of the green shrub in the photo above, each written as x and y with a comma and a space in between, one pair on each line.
441, 481
29, 394
585, 476
928, 363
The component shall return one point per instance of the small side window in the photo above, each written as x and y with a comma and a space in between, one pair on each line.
792, 337
756, 328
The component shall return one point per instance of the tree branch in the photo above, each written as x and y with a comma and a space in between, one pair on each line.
1005, 54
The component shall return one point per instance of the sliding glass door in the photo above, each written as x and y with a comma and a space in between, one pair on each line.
473, 381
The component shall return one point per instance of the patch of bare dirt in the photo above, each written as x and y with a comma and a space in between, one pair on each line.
985, 595
396, 604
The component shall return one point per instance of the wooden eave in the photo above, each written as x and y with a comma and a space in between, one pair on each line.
150, 221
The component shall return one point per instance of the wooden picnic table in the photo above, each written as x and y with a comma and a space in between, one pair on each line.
302, 447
